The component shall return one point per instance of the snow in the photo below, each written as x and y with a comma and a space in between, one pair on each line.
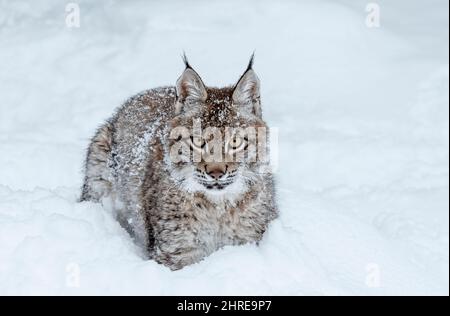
362, 113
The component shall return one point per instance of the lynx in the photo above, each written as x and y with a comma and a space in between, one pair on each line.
180, 193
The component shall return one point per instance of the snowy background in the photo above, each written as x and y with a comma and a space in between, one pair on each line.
363, 180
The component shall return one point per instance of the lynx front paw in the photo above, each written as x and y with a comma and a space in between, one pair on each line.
177, 260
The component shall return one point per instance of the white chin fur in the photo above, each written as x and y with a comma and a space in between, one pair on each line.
230, 193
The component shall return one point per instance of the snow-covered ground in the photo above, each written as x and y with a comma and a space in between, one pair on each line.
363, 178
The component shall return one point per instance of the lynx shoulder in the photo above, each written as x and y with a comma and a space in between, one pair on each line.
185, 168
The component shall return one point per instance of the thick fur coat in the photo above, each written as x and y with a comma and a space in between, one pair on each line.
178, 209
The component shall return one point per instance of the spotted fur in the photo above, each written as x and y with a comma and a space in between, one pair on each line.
176, 211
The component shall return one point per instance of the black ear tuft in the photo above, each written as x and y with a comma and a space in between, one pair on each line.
250, 63
185, 60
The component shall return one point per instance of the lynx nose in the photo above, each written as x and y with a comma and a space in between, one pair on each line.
217, 172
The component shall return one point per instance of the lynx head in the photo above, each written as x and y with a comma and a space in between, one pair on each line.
218, 138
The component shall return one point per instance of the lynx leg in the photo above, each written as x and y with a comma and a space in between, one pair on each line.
176, 247
96, 181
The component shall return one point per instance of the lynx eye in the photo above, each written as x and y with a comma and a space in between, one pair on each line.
237, 142
197, 142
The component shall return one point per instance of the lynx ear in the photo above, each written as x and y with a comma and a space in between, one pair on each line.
190, 87
246, 92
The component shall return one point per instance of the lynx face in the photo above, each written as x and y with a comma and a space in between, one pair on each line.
217, 138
